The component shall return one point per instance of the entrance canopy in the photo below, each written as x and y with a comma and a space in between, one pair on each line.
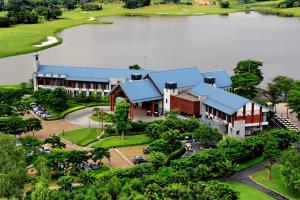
139, 91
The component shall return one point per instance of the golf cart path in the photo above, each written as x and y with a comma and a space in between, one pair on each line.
82, 117
244, 177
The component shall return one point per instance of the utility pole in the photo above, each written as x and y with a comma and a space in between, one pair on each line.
145, 61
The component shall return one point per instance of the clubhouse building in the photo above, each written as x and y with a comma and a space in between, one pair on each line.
205, 95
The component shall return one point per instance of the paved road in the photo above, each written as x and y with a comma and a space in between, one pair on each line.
243, 177
82, 117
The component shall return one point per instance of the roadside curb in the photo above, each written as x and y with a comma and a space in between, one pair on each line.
251, 178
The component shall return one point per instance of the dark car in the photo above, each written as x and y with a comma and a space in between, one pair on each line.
146, 150
94, 166
139, 159
85, 166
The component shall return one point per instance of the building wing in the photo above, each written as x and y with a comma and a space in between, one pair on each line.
220, 99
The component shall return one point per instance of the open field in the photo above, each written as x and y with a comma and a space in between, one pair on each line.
249, 193
82, 136
275, 184
116, 141
19, 39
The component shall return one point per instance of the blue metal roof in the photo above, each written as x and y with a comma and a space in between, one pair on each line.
223, 80
141, 90
90, 73
220, 99
184, 77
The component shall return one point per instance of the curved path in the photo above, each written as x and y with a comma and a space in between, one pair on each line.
243, 177
82, 117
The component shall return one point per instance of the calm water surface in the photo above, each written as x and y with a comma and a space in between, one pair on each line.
209, 42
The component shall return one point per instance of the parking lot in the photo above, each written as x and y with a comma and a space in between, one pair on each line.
40, 111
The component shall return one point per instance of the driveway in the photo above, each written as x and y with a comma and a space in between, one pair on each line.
82, 117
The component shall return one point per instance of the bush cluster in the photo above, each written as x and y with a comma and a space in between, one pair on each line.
289, 4
132, 4
90, 7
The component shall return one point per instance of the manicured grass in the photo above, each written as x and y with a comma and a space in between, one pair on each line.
250, 163
249, 193
116, 141
9, 87
82, 136
275, 184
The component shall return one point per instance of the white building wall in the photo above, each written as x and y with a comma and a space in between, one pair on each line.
167, 95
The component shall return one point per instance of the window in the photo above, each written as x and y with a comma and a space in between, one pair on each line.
105, 93
83, 93
76, 93
237, 132
83, 85
92, 85
99, 94
166, 100
76, 85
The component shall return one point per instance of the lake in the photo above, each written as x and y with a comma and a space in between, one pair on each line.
208, 42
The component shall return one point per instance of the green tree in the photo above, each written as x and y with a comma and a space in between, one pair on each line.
86, 178
157, 159
177, 191
55, 141
250, 66
284, 84
271, 152
218, 191
293, 99
136, 66
65, 182
203, 172
290, 169
32, 125
12, 170
30, 143
121, 117
99, 153
44, 171
273, 93
41, 191
153, 192
207, 135
244, 84
5, 110
227, 168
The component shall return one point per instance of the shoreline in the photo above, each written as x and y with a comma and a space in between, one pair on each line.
152, 11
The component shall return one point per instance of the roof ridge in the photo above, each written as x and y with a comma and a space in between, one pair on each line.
215, 70
95, 67
177, 69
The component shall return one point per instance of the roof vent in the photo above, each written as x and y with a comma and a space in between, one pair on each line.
136, 77
210, 80
171, 85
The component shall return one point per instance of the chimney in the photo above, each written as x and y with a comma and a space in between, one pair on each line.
36, 62
135, 77
210, 80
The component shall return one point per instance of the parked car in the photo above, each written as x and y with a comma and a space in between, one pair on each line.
146, 150
85, 166
94, 166
33, 105
139, 159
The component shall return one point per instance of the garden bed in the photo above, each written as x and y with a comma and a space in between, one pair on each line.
129, 140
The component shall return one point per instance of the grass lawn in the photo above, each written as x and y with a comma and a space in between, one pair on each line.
250, 163
82, 136
249, 193
275, 184
20, 38
116, 141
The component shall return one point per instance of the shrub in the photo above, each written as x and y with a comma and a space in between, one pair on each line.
4, 22
90, 7
139, 126
296, 4
225, 4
